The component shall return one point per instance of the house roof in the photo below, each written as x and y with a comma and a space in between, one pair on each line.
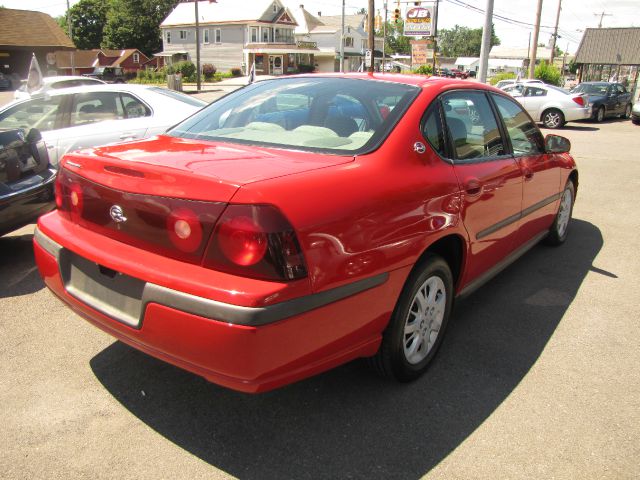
25, 28
333, 23
306, 21
465, 61
124, 54
89, 58
610, 46
504, 63
224, 11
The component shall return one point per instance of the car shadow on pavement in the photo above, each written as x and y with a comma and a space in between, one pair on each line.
576, 128
18, 272
348, 423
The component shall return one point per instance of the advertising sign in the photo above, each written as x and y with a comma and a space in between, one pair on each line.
419, 22
421, 52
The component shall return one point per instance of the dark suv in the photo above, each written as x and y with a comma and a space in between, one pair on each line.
26, 179
107, 74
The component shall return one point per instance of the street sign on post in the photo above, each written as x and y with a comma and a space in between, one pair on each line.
419, 22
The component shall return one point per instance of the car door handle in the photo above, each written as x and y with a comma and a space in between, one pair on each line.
473, 186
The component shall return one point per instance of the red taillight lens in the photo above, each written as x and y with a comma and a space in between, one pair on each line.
255, 241
579, 100
58, 192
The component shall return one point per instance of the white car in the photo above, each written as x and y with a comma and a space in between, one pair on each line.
55, 83
90, 116
512, 81
551, 105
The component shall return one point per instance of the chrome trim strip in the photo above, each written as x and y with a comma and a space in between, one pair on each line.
47, 244
514, 218
219, 311
498, 267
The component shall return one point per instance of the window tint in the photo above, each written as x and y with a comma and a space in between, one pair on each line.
525, 137
133, 107
535, 92
472, 127
432, 129
620, 89
40, 113
96, 107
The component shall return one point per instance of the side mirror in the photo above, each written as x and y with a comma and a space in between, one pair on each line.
556, 144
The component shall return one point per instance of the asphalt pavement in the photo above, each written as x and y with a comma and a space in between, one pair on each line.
537, 377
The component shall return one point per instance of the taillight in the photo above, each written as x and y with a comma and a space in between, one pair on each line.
579, 100
255, 241
69, 194
185, 230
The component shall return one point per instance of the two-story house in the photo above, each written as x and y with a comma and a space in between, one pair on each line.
236, 35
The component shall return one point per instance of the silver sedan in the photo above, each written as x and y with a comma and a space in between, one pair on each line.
89, 116
551, 105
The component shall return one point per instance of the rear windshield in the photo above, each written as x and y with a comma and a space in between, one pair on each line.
591, 88
336, 115
179, 96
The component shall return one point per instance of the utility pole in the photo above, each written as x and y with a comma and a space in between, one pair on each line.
197, 47
554, 37
486, 42
534, 44
342, 41
384, 38
372, 26
70, 27
601, 15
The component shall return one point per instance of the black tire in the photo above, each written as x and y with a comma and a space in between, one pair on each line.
635, 121
432, 278
560, 227
627, 111
553, 118
599, 115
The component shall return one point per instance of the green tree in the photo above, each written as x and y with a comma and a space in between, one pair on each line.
88, 18
463, 42
396, 42
136, 24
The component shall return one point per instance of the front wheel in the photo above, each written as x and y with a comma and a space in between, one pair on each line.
560, 228
600, 115
553, 118
418, 322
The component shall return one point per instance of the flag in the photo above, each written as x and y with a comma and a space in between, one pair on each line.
252, 73
34, 79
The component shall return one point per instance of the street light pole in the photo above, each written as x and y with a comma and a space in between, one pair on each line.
342, 41
486, 42
372, 26
555, 34
534, 45
197, 46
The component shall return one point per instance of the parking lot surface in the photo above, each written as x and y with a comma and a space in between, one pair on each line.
537, 377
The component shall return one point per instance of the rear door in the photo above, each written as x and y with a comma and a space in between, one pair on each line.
490, 179
100, 118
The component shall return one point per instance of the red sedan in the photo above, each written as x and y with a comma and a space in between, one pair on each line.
303, 222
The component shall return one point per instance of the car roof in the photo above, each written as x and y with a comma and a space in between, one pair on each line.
417, 80
99, 87
59, 78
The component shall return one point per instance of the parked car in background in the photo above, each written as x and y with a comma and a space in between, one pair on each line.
472, 73
55, 83
459, 73
635, 113
444, 72
107, 74
93, 115
302, 222
550, 105
607, 99
26, 179
5, 82
512, 81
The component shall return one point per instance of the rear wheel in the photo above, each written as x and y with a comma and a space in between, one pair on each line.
560, 228
553, 118
418, 322
627, 111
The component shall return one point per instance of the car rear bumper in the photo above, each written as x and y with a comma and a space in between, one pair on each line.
246, 348
580, 113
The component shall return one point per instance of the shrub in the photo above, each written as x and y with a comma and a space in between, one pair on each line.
187, 69
424, 70
547, 73
209, 70
236, 72
501, 76
303, 68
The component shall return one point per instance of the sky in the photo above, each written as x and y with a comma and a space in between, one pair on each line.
576, 15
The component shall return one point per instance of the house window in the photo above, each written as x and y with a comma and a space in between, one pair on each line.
284, 35
205, 37
136, 57
183, 34
267, 34
218, 34
168, 37
275, 8
348, 42
254, 35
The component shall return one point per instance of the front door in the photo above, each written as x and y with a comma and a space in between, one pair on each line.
275, 64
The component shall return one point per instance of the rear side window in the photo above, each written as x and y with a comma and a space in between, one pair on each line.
433, 130
525, 137
96, 107
472, 126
